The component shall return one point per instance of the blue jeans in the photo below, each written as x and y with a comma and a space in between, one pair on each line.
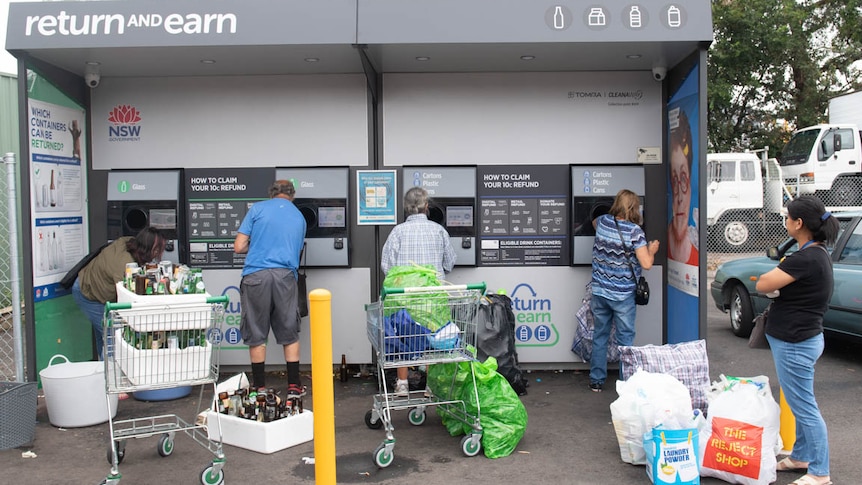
622, 314
794, 364
94, 311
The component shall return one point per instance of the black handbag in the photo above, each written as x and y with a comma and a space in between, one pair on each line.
641, 286
642, 291
301, 286
757, 339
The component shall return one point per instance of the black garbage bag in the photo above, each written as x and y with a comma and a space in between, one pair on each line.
496, 338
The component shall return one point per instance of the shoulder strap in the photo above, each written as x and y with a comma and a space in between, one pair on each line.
623, 241
301, 269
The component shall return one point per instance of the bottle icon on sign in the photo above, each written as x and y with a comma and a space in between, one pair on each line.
674, 16
596, 17
59, 188
43, 253
55, 252
53, 191
635, 17
559, 20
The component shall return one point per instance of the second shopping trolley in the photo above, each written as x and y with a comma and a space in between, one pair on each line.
423, 326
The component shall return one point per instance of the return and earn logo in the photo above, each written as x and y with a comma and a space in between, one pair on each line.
533, 318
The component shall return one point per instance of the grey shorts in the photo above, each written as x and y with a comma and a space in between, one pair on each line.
269, 300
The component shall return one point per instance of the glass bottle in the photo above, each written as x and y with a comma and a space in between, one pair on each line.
269, 412
343, 371
261, 406
223, 402
199, 282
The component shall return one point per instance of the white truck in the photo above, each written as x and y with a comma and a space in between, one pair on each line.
744, 198
826, 160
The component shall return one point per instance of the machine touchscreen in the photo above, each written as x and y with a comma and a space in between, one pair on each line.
459, 216
330, 217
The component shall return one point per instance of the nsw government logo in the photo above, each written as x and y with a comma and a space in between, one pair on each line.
124, 124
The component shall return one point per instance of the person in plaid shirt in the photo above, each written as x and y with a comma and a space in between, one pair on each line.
417, 240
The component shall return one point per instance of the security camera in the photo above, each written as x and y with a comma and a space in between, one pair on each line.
92, 79
659, 73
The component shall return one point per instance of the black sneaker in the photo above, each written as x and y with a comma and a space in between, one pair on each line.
595, 387
295, 390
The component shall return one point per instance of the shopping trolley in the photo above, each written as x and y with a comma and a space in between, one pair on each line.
149, 346
423, 326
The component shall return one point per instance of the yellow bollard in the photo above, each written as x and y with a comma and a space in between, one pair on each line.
787, 428
320, 310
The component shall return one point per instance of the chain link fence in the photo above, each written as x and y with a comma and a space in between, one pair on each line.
751, 227
745, 203
8, 257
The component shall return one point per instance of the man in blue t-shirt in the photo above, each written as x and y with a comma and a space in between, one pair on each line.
271, 235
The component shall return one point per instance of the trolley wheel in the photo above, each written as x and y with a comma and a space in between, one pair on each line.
208, 477
381, 458
166, 445
370, 422
469, 447
121, 451
416, 416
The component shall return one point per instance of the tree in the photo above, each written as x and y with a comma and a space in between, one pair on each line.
775, 64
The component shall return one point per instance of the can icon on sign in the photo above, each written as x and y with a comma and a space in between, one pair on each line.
674, 16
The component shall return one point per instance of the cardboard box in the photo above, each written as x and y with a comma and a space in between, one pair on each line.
261, 437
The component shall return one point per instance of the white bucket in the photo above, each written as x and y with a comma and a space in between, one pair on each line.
75, 393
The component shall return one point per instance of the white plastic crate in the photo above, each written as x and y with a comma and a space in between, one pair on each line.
258, 436
126, 296
161, 366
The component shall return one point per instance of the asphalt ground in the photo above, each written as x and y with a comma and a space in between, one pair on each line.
569, 437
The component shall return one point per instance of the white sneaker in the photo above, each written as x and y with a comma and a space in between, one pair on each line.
402, 388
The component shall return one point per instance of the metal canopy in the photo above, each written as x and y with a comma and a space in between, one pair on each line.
308, 37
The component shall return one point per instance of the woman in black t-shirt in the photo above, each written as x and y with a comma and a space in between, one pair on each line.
801, 286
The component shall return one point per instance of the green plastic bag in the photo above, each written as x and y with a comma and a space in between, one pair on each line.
502, 414
431, 310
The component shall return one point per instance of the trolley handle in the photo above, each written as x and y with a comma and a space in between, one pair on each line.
110, 306
423, 289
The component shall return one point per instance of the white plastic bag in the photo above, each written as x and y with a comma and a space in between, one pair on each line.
445, 338
647, 400
740, 441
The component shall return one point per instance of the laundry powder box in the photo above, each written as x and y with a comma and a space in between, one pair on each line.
258, 436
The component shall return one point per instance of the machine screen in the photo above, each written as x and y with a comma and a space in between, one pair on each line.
459, 216
163, 218
330, 217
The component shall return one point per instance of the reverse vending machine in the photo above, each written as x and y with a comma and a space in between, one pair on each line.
321, 196
147, 198
452, 191
594, 188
